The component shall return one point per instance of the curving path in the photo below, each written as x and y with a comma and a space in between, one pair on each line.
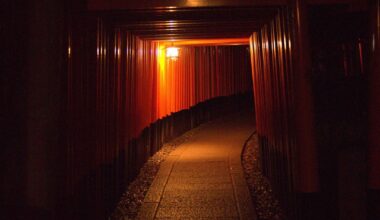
203, 178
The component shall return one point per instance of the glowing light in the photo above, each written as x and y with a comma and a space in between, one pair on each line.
194, 3
172, 52
279, 43
172, 8
172, 23
373, 42
266, 45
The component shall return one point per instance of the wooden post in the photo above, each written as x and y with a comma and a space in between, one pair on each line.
307, 164
374, 102
374, 115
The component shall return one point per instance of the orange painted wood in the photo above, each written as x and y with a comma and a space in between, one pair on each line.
119, 84
308, 177
283, 105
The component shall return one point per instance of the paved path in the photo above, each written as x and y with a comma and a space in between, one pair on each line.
203, 178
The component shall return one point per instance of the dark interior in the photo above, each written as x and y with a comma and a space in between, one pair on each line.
76, 126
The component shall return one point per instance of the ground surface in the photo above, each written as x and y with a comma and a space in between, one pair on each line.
203, 177
266, 204
133, 198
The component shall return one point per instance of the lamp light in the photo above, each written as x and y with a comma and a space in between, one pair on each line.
172, 52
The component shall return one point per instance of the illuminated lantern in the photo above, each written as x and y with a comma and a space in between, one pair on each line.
172, 52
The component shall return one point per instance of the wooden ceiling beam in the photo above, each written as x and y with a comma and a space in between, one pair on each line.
185, 23
149, 4
186, 14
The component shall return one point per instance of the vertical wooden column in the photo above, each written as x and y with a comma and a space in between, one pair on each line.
13, 84
374, 108
374, 115
45, 72
307, 165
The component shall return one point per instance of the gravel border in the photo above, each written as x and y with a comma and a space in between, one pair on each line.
266, 204
132, 199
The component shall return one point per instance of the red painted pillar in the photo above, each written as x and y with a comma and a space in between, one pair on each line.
307, 164
374, 103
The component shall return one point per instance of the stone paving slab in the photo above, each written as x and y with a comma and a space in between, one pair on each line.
203, 178
244, 202
197, 212
210, 179
199, 186
238, 179
147, 211
200, 174
209, 193
198, 200
200, 218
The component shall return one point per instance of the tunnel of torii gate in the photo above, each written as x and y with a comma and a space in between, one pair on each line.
92, 89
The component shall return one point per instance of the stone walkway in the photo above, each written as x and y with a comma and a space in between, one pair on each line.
203, 178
